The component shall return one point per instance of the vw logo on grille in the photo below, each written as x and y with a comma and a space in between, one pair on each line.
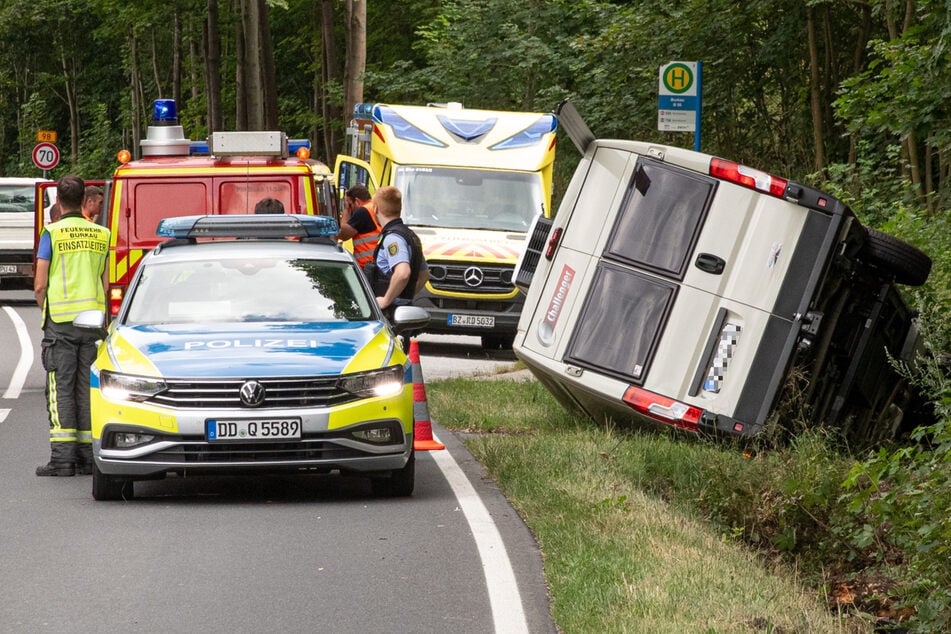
473, 276
252, 393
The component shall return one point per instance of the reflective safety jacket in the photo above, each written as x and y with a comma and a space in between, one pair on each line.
80, 251
365, 243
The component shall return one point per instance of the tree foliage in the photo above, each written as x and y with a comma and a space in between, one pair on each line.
791, 87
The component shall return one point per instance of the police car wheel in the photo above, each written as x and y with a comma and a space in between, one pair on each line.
399, 484
106, 487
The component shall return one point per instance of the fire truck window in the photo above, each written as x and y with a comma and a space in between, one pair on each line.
154, 201
240, 197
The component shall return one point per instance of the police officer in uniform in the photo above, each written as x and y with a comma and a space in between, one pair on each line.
70, 278
399, 270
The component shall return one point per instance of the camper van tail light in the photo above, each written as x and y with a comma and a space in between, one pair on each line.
115, 299
662, 408
748, 177
553, 243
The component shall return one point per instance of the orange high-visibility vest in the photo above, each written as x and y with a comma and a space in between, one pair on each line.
365, 243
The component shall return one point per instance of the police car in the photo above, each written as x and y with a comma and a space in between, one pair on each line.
260, 353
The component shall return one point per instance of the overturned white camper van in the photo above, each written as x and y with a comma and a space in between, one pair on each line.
676, 287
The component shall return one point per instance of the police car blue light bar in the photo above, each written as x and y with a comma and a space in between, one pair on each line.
248, 226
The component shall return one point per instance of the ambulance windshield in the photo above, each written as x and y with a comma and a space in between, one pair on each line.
459, 198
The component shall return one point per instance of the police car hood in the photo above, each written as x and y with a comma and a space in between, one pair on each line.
236, 351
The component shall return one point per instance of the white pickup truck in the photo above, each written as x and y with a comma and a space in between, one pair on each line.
17, 204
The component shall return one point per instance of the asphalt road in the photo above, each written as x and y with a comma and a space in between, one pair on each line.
450, 356
242, 554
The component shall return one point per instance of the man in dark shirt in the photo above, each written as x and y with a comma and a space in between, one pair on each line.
360, 224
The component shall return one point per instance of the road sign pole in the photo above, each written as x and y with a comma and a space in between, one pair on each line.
696, 133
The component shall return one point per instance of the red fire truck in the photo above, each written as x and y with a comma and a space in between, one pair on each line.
227, 174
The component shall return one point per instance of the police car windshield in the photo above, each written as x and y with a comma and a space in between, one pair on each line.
255, 289
458, 198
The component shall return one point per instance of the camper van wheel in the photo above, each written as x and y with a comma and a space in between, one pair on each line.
909, 265
497, 342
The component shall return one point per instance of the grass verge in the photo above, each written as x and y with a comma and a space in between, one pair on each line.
651, 532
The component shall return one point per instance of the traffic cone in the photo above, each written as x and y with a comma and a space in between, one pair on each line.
422, 427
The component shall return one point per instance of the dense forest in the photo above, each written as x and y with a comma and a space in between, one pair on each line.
812, 87
852, 96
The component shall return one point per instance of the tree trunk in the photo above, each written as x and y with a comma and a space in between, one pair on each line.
69, 74
356, 54
328, 73
815, 98
252, 65
134, 97
240, 85
268, 72
213, 67
193, 68
159, 93
177, 59
909, 145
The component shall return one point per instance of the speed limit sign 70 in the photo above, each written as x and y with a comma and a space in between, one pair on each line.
45, 156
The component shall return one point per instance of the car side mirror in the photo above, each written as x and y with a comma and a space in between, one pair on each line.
91, 319
409, 318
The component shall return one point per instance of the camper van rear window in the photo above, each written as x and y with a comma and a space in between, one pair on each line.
660, 218
621, 321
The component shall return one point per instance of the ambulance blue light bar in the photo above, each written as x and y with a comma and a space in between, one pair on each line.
531, 135
403, 129
248, 226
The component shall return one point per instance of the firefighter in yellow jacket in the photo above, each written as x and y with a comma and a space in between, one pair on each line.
70, 278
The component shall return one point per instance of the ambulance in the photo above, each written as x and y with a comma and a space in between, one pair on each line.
226, 174
472, 183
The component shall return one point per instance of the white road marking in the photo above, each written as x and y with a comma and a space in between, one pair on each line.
3, 414
26, 356
504, 597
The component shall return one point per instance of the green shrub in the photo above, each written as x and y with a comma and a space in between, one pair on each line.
900, 499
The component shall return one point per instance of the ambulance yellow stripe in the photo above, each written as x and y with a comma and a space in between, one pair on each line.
492, 253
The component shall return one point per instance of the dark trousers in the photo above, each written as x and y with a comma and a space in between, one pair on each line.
68, 352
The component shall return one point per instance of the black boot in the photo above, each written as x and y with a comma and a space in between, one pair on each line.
84, 460
60, 469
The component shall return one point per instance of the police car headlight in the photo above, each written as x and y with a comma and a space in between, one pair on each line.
386, 382
126, 387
